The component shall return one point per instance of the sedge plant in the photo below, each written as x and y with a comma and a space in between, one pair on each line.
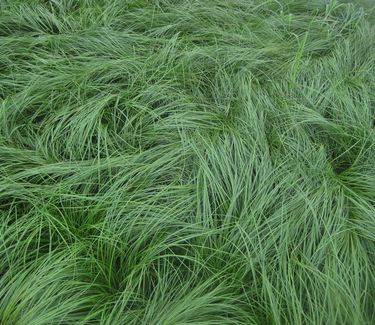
176, 162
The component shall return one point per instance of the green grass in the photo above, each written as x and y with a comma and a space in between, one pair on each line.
186, 162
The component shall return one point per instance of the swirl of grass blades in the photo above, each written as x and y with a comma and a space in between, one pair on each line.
181, 162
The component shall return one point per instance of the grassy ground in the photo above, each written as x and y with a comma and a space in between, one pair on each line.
186, 162
368, 6
365, 3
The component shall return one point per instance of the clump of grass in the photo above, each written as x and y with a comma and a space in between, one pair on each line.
186, 162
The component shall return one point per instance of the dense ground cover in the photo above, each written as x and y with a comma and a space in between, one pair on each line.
186, 162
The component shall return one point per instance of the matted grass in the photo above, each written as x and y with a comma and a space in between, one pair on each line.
186, 162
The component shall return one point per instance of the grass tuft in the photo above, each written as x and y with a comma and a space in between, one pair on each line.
186, 162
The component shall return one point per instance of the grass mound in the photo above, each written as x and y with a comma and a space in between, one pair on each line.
186, 162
